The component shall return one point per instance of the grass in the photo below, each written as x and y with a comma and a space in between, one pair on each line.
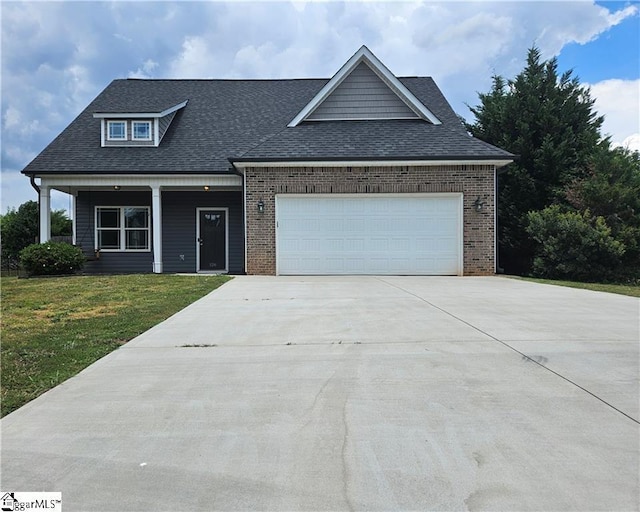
620, 289
53, 328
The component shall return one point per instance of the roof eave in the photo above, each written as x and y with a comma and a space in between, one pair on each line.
140, 115
498, 161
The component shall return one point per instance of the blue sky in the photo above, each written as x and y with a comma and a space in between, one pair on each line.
615, 54
57, 56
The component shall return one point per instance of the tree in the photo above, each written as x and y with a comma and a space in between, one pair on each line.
19, 228
548, 120
611, 190
574, 245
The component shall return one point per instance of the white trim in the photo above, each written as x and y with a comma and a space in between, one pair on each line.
45, 214
74, 236
133, 130
139, 115
460, 227
365, 55
368, 118
156, 132
156, 223
103, 133
118, 139
372, 163
65, 183
122, 229
226, 239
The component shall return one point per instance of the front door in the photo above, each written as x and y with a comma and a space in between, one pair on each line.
212, 240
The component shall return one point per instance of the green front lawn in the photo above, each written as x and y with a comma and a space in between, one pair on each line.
621, 289
53, 328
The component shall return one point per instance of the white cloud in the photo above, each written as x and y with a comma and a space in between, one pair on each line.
632, 142
146, 70
576, 22
195, 60
619, 101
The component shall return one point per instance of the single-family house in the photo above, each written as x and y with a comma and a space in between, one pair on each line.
363, 173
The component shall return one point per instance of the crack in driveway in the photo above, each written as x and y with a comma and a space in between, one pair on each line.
534, 359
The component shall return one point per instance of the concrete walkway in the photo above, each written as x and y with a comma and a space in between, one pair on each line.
351, 393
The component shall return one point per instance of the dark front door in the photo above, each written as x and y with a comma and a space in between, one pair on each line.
212, 240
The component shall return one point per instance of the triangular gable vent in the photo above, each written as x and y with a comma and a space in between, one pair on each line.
364, 89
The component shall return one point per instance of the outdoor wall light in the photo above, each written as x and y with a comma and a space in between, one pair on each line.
478, 204
206, 188
116, 187
261, 206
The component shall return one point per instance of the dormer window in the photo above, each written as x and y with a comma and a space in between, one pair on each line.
127, 128
117, 130
141, 130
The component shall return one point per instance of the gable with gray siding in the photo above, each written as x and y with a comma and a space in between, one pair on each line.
362, 95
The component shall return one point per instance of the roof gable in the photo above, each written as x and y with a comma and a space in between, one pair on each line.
364, 88
362, 95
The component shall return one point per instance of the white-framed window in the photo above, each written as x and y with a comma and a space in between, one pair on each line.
122, 228
116, 130
141, 130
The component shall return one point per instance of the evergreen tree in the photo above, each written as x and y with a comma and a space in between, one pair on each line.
548, 120
611, 190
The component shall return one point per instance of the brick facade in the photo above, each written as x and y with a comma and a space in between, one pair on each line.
262, 184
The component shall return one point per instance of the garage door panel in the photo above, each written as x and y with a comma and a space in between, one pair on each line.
369, 234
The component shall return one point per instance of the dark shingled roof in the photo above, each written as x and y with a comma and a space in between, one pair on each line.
246, 120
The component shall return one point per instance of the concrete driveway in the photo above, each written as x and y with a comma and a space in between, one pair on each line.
351, 393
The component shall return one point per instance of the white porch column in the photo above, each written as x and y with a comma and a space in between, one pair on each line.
45, 214
156, 217
74, 236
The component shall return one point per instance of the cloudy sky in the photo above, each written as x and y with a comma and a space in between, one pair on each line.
57, 56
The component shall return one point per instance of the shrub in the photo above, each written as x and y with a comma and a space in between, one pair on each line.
51, 258
574, 245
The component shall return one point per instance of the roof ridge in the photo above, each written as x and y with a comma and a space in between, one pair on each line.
129, 79
216, 79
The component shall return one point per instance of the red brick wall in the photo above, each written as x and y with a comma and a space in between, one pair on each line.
472, 180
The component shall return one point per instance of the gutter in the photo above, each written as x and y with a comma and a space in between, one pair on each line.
35, 186
244, 208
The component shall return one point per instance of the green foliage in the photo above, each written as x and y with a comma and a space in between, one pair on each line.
51, 258
19, 228
612, 190
548, 120
61, 225
573, 245
53, 328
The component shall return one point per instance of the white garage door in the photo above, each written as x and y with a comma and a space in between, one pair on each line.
407, 234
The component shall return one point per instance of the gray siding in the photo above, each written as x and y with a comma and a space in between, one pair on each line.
164, 122
109, 262
179, 228
129, 141
362, 95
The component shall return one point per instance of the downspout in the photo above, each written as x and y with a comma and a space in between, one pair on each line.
244, 208
35, 186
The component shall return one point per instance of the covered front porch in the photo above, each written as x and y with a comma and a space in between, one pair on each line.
153, 223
